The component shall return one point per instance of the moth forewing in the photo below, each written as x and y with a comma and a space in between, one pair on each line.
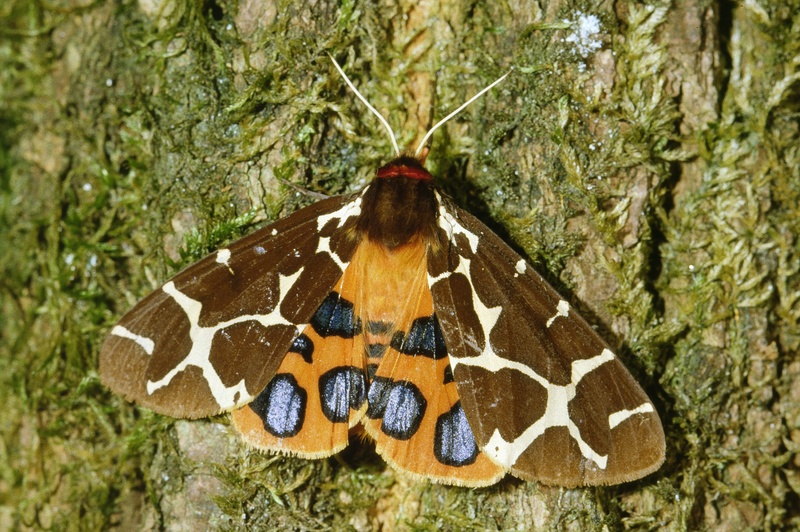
544, 395
212, 337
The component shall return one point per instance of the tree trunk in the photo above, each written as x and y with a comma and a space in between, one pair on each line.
644, 159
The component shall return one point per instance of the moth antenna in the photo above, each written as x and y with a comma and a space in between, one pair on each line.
454, 113
374, 111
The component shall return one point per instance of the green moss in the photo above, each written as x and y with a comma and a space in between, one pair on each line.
136, 137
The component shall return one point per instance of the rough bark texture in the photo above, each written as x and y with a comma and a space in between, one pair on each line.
649, 168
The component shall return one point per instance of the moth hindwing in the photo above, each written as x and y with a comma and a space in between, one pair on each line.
396, 310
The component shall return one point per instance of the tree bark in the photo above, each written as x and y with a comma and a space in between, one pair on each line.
643, 158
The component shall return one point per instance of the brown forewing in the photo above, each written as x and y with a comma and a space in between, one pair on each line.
508, 401
247, 284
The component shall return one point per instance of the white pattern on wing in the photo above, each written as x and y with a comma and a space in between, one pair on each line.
349, 209
562, 310
487, 316
556, 412
142, 341
223, 256
324, 246
450, 224
226, 396
618, 417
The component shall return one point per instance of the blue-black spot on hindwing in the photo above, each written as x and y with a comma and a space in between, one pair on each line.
400, 404
303, 346
335, 317
342, 389
405, 408
424, 338
454, 444
281, 406
378, 394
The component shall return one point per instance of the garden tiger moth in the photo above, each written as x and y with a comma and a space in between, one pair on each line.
394, 309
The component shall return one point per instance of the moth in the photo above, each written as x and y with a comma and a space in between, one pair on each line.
394, 309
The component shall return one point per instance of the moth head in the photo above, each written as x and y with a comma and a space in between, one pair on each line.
400, 208
405, 166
